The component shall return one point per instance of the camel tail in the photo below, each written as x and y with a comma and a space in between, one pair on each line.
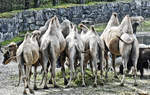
77, 47
124, 41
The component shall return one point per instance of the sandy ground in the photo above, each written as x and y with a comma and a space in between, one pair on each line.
9, 78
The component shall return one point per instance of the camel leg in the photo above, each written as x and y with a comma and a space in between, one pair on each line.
53, 60
35, 75
82, 71
45, 61
134, 60
72, 70
28, 73
124, 62
19, 75
50, 81
106, 58
91, 66
53, 72
94, 64
62, 60
22, 69
113, 65
135, 56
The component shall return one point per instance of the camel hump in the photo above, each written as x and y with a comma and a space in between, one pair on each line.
127, 38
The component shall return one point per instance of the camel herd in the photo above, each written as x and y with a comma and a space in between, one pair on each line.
75, 46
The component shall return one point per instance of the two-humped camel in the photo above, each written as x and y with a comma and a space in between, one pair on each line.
120, 40
27, 55
95, 46
74, 51
52, 45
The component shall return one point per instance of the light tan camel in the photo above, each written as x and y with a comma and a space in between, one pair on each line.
105, 37
94, 44
27, 55
52, 45
120, 40
74, 51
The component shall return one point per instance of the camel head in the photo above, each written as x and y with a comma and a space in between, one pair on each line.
137, 21
53, 25
27, 36
72, 31
10, 51
65, 27
57, 21
83, 28
36, 34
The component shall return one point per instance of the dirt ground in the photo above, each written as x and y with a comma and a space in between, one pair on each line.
9, 78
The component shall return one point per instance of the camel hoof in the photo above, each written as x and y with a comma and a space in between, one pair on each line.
116, 77
121, 84
50, 82
68, 86
65, 82
141, 77
56, 86
83, 85
45, 87
95, 85
16, 85
135, 84
102, 83
31, 91
35, 88
106, 77
24, 93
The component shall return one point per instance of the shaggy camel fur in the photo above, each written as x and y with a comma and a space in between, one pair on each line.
27, 55
112, 22
52, 45
122, 41
95, 46
74, 48
10, 55
64, 28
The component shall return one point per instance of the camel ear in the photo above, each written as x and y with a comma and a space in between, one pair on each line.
27, 35
71, 25
75, 28
92, 28
57, 21
52, 21
83, 27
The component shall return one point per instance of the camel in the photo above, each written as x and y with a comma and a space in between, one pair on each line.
120, 40
104, 36
95, 46
64, 28
27, 55
52, 45
74, 51
10, 55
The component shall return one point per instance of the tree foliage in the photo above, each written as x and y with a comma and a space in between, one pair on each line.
9, 5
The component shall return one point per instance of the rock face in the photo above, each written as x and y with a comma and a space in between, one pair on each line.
31, 20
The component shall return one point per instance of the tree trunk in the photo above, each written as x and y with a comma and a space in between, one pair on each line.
55, 2
27, 4
36, 3
81, 1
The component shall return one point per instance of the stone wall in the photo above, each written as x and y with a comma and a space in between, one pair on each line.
31, 20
